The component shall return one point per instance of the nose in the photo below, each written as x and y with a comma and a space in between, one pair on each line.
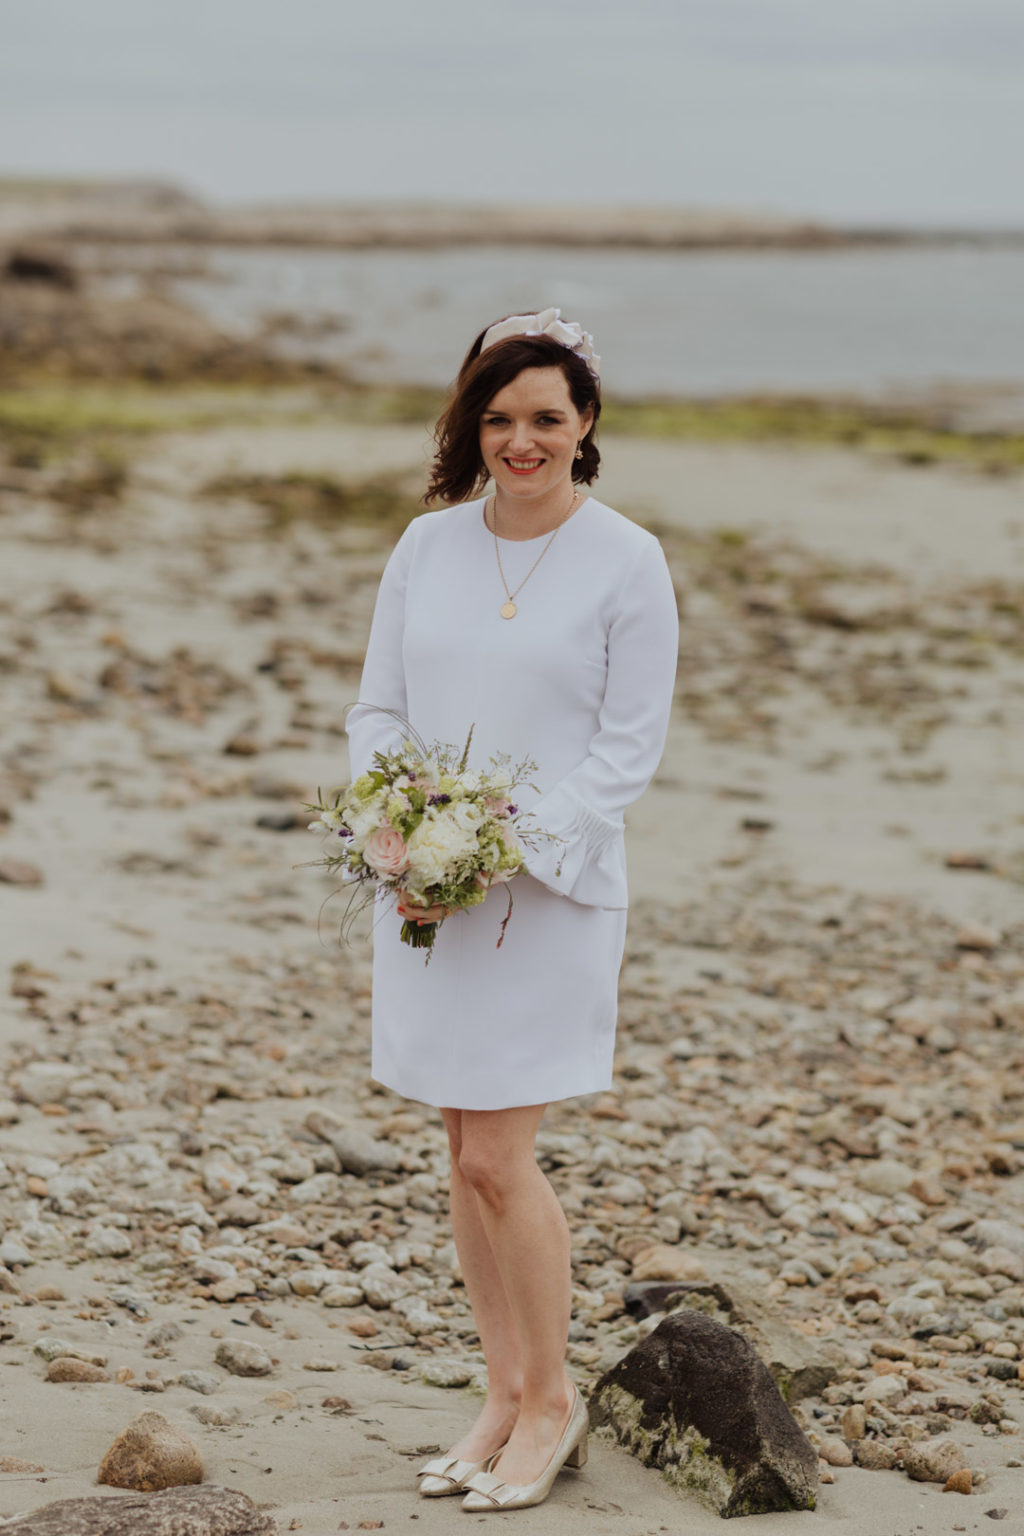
520, 439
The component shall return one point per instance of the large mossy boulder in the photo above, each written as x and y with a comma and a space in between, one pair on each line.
696, 1400
801, 1366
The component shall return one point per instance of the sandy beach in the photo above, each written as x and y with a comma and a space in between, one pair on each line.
818, 1090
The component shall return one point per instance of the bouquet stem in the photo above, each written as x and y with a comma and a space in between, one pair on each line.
419, 935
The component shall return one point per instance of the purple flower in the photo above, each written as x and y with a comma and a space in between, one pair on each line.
440, 799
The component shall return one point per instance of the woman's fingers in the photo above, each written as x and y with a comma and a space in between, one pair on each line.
413, 913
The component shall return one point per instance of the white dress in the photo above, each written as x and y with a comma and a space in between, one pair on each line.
581, 680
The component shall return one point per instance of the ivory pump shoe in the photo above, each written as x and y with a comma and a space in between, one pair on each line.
447, 1474
484, 1491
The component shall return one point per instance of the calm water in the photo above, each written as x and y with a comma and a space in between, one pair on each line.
664, 322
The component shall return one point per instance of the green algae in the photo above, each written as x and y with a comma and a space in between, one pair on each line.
379, 501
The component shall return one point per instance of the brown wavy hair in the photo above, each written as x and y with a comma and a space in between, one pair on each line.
458, 471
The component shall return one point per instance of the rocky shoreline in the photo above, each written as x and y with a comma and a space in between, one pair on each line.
141, 211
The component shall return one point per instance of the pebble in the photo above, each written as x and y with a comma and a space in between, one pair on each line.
835, 1451
243, 1359
960, 1481
309, 1282
381, 1286
214, 1415
20, 872
882, 1389
108, 1243
151, 1454
662, 1262
886, 1177
13, 1253
446, 1373
342, 1295
66, 1368
357, 1152
200, 1381
933, 1461
57, 1349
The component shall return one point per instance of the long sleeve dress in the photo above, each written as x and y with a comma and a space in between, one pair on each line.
581, 680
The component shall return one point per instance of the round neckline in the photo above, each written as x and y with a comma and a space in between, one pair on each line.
538, 538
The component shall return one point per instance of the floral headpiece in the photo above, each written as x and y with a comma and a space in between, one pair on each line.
548, 323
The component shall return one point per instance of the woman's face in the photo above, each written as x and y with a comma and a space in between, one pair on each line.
529, 433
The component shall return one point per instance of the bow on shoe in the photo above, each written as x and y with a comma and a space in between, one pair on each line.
493, 1488
449, 1471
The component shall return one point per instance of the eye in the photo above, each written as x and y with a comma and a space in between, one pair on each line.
494, 421
549, 421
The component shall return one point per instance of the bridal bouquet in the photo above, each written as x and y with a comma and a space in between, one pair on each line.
422, 824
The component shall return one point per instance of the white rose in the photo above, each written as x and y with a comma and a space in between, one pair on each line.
364, 818
467, 815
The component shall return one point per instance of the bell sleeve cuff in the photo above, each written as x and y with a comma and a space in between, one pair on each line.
585, 857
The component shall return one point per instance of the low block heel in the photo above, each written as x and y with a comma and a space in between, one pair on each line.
577, 1457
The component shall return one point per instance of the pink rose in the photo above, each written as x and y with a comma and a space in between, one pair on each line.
510, 837
386, 852
498, 807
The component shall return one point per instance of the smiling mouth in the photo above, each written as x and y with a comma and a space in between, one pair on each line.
523, 466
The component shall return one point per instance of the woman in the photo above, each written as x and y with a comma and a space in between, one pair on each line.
547, 622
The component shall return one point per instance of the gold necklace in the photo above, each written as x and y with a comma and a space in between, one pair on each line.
508, 609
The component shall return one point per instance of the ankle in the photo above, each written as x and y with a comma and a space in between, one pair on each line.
553, 1402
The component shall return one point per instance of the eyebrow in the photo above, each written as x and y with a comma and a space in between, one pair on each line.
543, 410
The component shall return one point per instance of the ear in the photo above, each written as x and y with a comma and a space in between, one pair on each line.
586, 420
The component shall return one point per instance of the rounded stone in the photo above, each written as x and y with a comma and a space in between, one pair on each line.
243, 1359
65, 1368
151, 1454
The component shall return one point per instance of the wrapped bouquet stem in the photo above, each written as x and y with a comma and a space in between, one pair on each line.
423, 825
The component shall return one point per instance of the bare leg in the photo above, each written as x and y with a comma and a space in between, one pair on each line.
491, 1312
526, 1229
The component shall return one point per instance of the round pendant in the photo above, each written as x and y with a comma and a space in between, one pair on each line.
509, 610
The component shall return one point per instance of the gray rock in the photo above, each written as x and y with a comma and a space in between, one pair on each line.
933, 1461
56, 1349
13, 1252
993, 1232
172, 1512
47, 1082
835, 1451
885, 1177
215, 1417
200, 1381
310, 1282
382, 1286
695, 1400
342, 1296
446, 1373
358, 1152
108, 1243
151, 1454
243, 1359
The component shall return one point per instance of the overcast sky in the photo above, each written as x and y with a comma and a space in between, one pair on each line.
896, 110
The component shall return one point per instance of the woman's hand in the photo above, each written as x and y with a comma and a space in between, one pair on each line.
413, 912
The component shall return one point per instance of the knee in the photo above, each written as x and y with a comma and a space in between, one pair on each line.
487, 1170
